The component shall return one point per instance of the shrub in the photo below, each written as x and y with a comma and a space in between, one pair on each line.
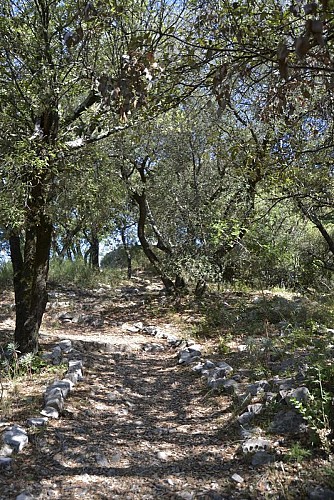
116, 259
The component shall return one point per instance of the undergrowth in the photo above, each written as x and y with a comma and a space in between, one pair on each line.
13, 365
20, 377
78, 273
280, 333
6, 275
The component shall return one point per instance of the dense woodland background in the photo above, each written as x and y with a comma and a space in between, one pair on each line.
196, 140
199, 135
201, 131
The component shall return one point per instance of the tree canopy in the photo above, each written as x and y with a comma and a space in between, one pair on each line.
208, 125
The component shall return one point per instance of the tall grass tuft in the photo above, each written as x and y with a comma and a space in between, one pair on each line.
78, 273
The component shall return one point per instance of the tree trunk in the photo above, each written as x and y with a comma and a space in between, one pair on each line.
127, 252
179, 283
94, 251
68, 243
141, 202
77, 251
200, 288
92, 254
69, 255
319, 225
30, 279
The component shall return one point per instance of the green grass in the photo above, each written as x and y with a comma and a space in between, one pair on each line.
68, 273
298, 453
80, 274
6, 275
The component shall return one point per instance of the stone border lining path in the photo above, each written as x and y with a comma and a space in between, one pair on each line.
16, 437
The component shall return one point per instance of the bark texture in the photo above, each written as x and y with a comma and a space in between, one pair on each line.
30, 261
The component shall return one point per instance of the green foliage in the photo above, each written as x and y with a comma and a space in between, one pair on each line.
297, 453
237, 182
318, 411
76, 273
13, 365
79, 274
223, 340
116, 259
6, 275
329, 475
281, 250
10, 361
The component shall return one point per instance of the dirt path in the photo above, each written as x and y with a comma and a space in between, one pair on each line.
139, 426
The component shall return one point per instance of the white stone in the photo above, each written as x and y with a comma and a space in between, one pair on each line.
195, 349
5, 462
74, 364
130, 328
102, 460
139, 325
65, 345
198, 368
24, 496
56, 355
171, 339
50, 412
184, 356
242, 347
61, 386
6, 451
74, 370
256, 444
237, 478
150, 330
245, 417
255, 408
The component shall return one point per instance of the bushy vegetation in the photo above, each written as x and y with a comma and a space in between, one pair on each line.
232, 190
282, 333
13, 366
282, 251
117, 260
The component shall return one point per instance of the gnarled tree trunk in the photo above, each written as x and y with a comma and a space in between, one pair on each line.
93, 253
312, 216
127, 252
30, 262
141, 202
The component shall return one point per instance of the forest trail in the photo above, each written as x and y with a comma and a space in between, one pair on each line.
139, 425
136, 427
